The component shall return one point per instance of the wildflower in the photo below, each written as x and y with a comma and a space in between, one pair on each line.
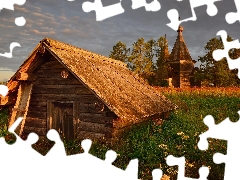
163, 146
180, 133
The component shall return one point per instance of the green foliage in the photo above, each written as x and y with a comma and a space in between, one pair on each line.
120, 52
162, 55
217, 72
141, 57
9, 137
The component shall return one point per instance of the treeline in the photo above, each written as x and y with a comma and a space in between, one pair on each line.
149, 59
217, 72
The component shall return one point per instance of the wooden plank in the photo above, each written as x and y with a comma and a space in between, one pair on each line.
49, 116
75, 118
37, 108
37, 114
38, 61
96, 118
7, 100
94, 127
61, 89
22, 102
36, 122
25, 101
63, 97
37, 103
56, 81
38, 131
89, 135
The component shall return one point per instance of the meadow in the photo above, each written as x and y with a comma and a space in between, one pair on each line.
152, 142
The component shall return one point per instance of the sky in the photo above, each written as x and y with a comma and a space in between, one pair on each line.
67, 22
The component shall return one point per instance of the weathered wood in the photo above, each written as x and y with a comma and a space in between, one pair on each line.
37, 103
66, 97
35, 122
54, 81
49, 116
22, 102
94, 127
61, 89
37, 108
37, 114
89, 135
39, 131
7, 100
95, 118
21, 76
38, 61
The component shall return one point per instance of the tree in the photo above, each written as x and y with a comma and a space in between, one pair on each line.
216, 72
141, 57
162, 55
120, 52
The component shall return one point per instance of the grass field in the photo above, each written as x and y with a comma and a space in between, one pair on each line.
152, 143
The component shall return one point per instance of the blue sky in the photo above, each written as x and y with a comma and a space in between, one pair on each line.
67, 22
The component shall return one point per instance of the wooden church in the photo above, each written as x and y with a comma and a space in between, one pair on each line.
181, 64
80, 94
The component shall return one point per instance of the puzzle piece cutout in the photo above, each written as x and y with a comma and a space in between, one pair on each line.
153, 6
173, 161
71, 167
102, 12
173, 14
224, 53
232, 17
12, 46
9, 4
3, 90
232, 134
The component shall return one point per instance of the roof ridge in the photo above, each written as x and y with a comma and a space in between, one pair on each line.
105, 58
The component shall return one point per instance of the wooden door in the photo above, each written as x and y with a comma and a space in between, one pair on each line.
62, 119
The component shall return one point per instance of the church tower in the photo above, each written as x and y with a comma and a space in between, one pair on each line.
181, 63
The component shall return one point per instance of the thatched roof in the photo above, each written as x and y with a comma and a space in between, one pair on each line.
123, 92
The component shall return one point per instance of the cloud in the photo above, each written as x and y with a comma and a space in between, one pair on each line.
37, 32
73, 32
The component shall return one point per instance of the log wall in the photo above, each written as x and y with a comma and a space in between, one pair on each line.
48, 86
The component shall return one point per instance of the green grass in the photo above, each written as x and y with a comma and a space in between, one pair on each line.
9, 137
178, 135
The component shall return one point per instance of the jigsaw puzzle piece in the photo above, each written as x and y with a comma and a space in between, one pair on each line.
232, 17
180, 162
153, 6
10, 4
157, 174
224, 53
232, 136
102, 12
100, 167
173, 14
58, 149
3, 90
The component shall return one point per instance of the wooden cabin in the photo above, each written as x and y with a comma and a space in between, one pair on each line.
79, 93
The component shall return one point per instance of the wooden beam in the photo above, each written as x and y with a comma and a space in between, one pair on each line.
21, 106
22, 76
4, 101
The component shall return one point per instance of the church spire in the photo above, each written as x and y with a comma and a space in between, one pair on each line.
180, 50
